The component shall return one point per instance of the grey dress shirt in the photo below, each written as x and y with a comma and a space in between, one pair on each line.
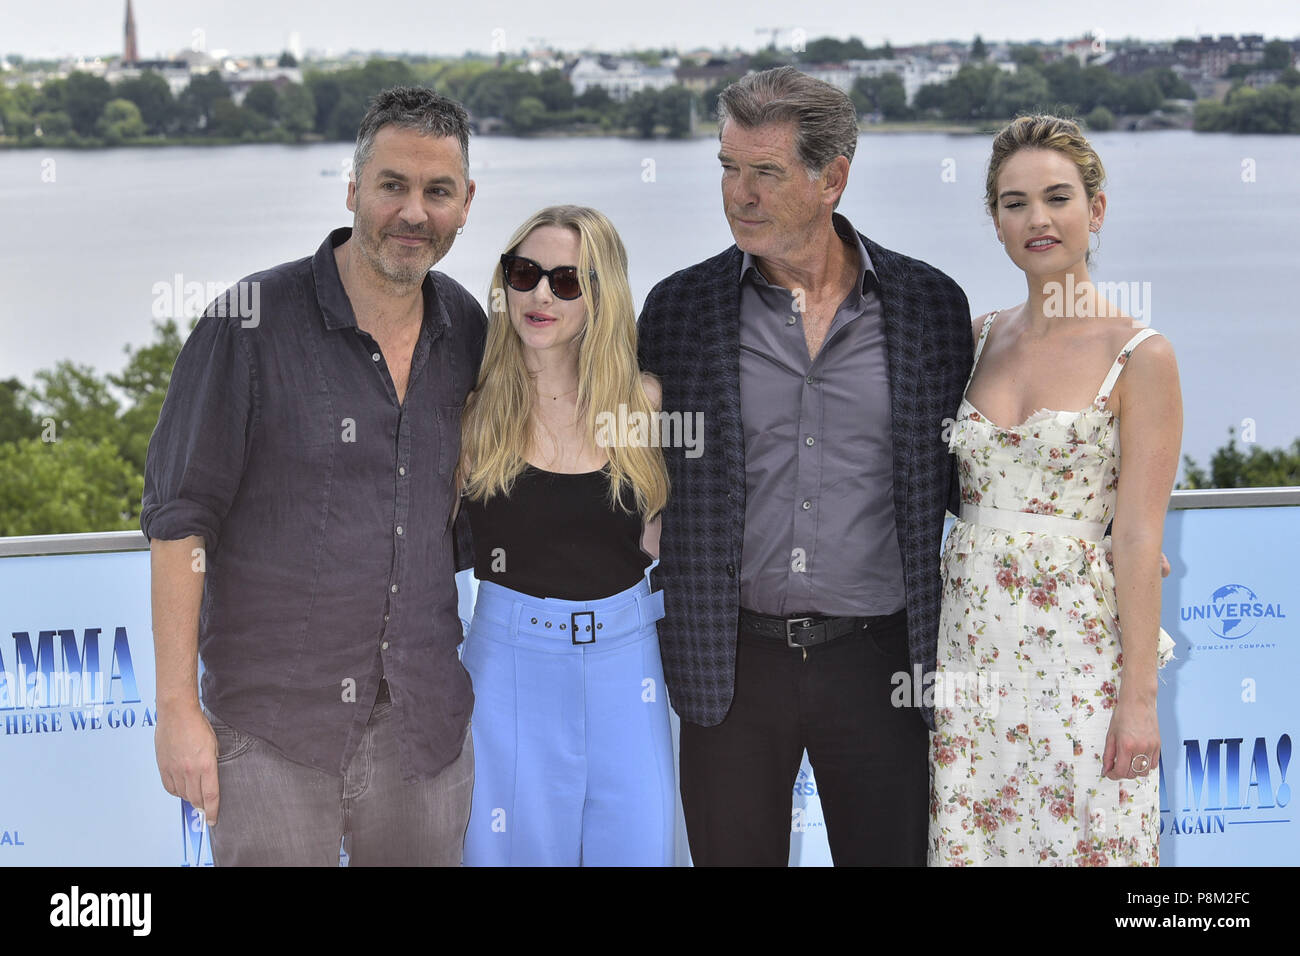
819, 533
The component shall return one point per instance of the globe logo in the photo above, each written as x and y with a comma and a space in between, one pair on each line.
1225, 602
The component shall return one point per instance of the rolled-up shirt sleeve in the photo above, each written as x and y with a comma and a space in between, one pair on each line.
198, 450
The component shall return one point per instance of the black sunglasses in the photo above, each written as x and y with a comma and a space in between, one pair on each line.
522, 275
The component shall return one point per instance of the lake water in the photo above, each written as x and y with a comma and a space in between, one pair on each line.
1209, 221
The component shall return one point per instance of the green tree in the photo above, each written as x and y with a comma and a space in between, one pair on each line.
1141, 94
884, 94
121, 121
709, 101
18, 123
966, 95
1024, 56
79, 402
287, 59
594, 98
1100, 120
1230, 467
198, 100
641, 112
555, 90
1101, 87
346, 117
297, 109
1024, 91
66, 486
1277, 55
228, 119
144, 382
263, 99
493, 93
978, 51
50, 98
832, 50
526, 115
85, 99
1171, 85
55, 124
1210, 116
674, 111
1066, 83
153, 96
326, 91
16, 419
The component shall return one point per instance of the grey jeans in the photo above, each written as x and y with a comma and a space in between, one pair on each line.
275, 812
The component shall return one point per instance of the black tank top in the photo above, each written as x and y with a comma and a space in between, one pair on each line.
556, 536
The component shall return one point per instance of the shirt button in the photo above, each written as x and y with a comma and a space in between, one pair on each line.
806, 505
385, 618
401, 470
810, 441
809, 380
394, 587
399, 529
731, 570
790, 321
375, 357
383, 646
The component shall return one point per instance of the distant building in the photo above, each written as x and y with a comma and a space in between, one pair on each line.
241, 81
705, 76
617, 77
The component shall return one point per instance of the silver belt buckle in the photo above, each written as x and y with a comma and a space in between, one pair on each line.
805, 624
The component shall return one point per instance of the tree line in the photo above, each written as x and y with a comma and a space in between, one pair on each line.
87, 110
73, 444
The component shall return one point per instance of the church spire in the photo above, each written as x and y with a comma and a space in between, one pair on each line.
130, 54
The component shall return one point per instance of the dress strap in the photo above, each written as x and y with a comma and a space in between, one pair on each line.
979, 346
1103, 395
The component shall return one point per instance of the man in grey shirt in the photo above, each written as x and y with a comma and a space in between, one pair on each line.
298, 494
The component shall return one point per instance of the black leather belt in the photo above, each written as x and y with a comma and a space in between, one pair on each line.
807, 630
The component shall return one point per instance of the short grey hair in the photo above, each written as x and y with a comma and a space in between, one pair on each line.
826, 122
415, 108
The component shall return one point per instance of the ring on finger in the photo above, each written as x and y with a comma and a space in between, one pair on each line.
1140, 764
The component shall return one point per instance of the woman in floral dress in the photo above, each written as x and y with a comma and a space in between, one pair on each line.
1047, 740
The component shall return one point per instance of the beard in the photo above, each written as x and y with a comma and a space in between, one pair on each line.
400, 265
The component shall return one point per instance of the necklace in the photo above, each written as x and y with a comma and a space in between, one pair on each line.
561, 395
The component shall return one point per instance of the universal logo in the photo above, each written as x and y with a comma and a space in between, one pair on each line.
1233, 612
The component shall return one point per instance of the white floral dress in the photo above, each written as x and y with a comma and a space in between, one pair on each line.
1029, 651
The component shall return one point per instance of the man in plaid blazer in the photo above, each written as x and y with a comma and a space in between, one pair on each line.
819, 495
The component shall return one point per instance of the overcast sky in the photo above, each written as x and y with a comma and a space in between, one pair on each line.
36, 28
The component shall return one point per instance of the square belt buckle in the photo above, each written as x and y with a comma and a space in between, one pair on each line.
591, 627
805, 627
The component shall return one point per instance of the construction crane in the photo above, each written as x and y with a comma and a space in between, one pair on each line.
774, 31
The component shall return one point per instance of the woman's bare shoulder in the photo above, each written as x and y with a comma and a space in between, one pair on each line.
653, 390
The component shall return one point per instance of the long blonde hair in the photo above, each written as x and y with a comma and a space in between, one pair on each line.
497, 424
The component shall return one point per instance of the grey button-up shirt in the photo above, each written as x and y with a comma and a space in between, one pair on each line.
819, 508
323, 503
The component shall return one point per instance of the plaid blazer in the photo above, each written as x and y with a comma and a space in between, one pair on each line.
689, 336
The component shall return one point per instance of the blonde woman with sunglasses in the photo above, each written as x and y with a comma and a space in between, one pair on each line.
572, 748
